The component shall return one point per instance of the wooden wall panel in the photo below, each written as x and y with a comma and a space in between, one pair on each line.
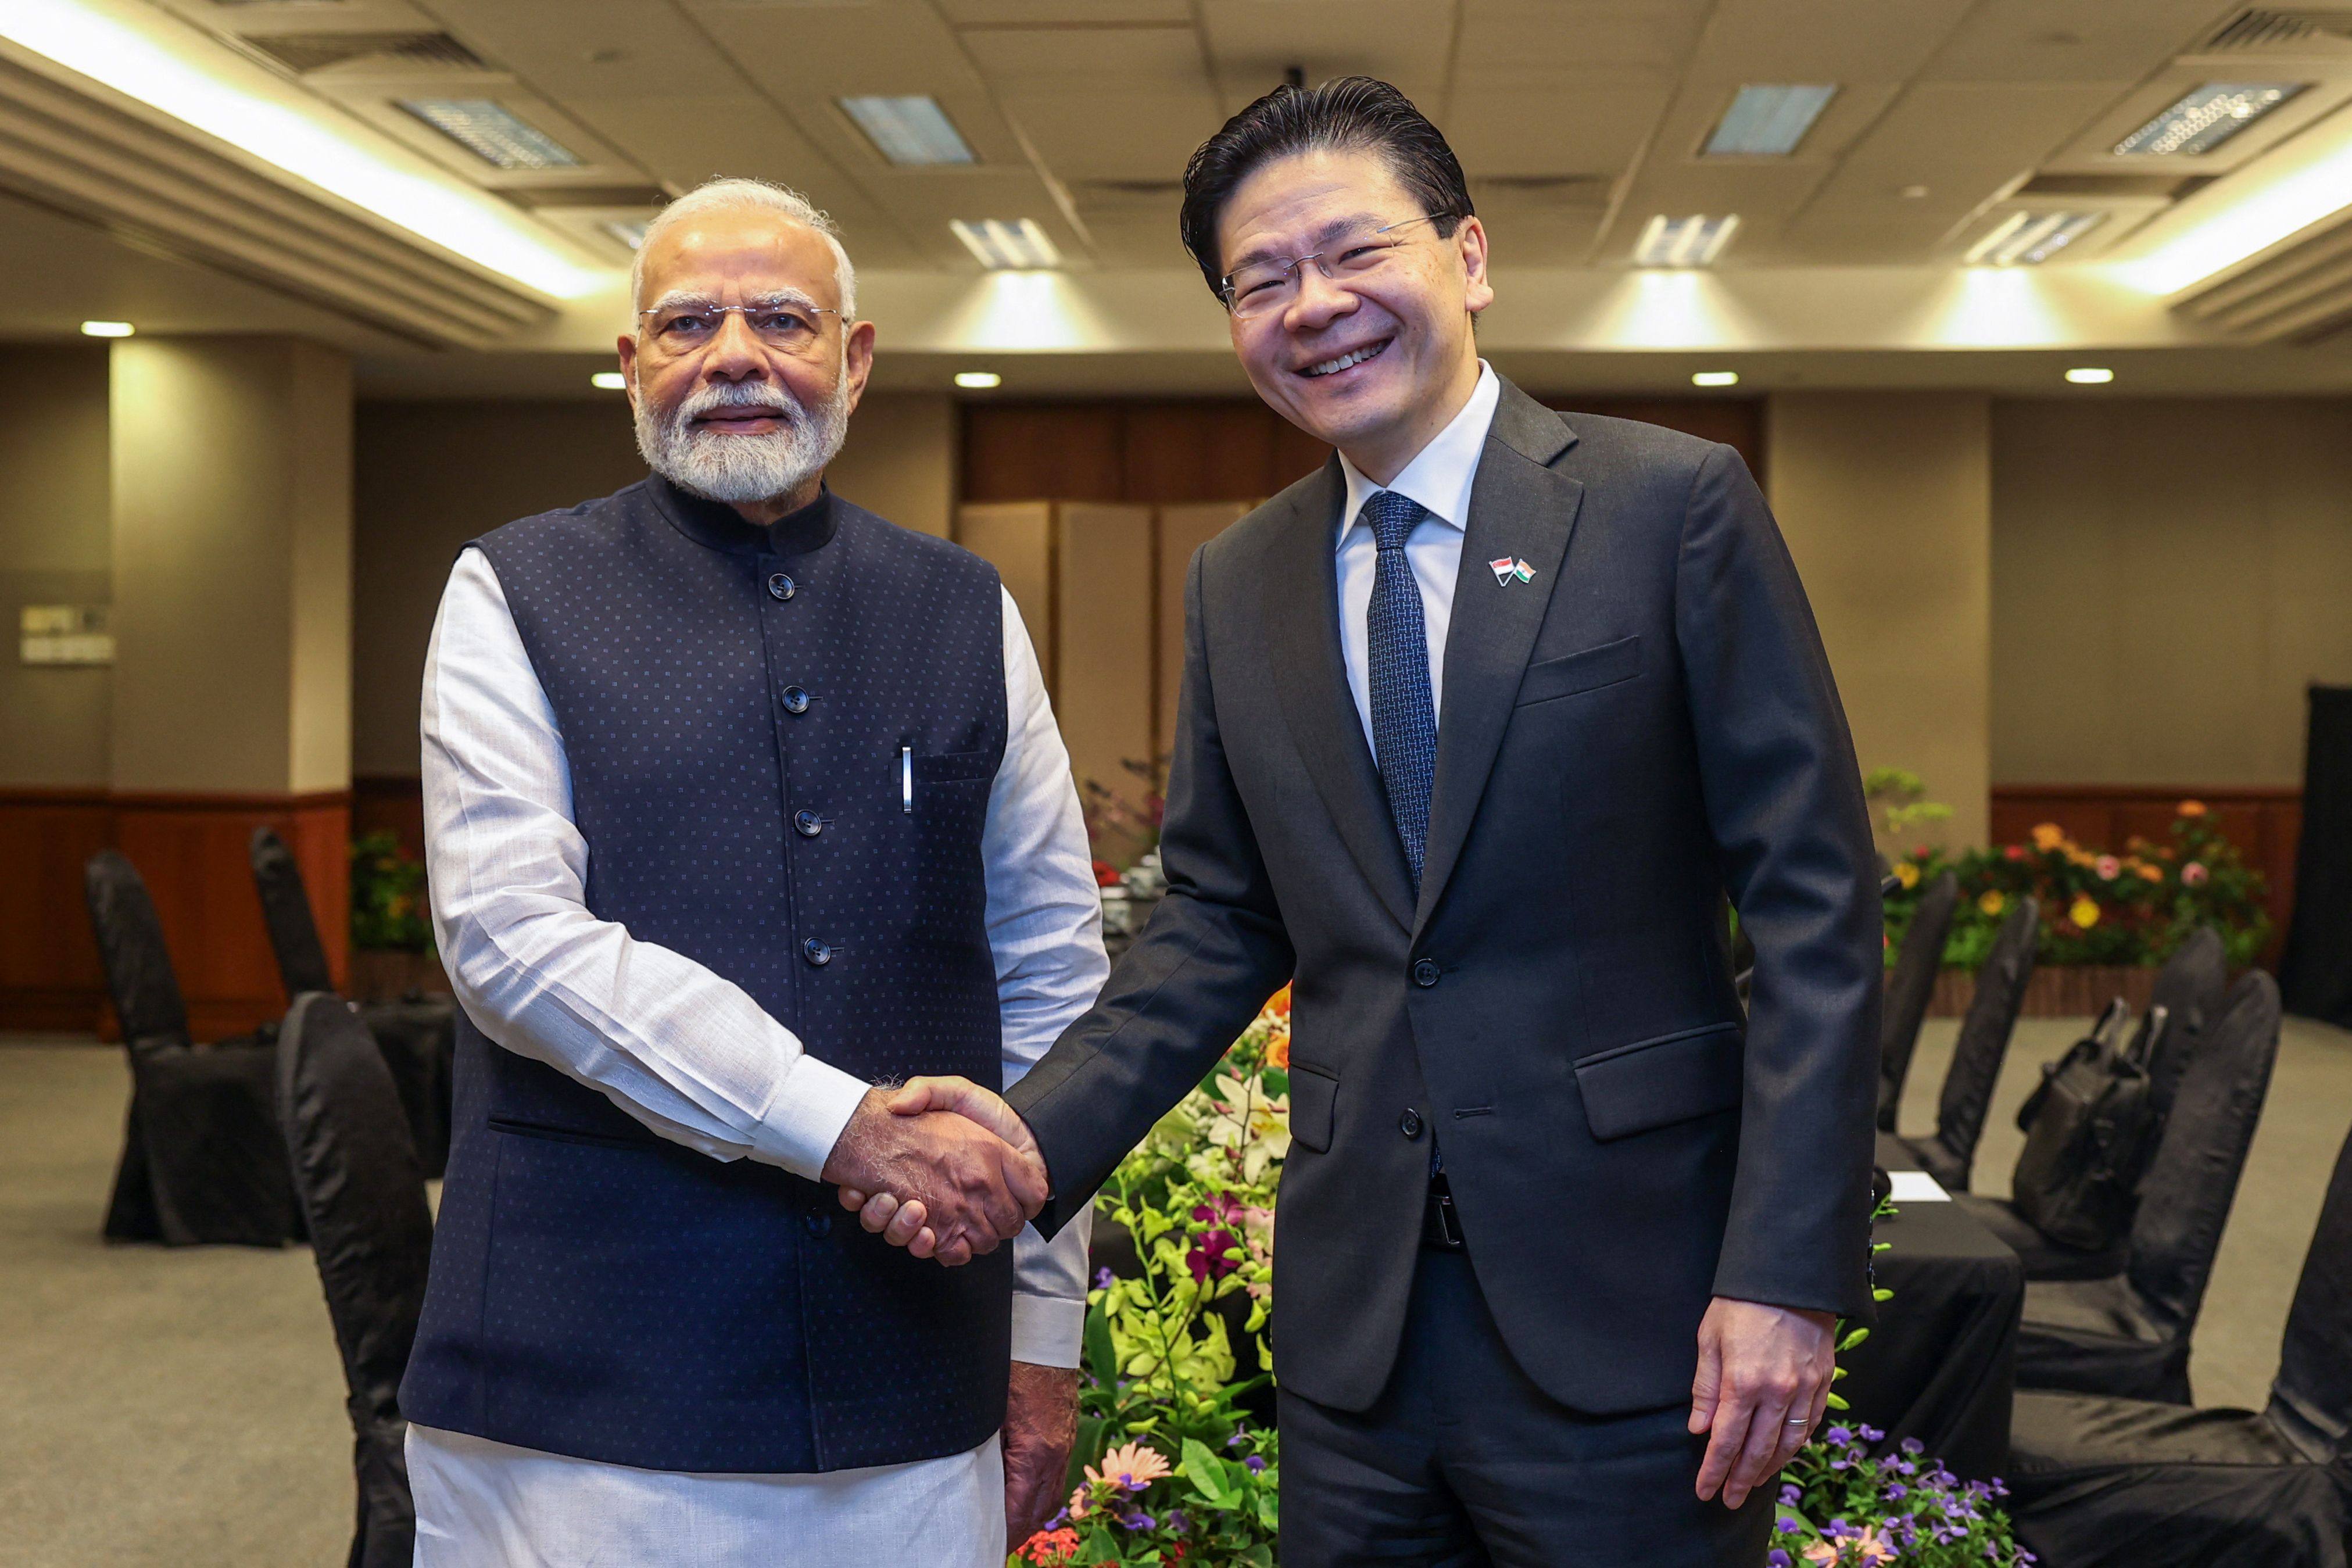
2264, 822
1018, 539
1104, 563
1182, 530
190, 850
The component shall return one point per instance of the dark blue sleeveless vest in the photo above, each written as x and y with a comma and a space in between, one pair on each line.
738, 707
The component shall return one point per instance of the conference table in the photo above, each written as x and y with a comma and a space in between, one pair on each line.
1941, 1366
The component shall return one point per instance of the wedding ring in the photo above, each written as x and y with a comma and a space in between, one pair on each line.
1798, 1421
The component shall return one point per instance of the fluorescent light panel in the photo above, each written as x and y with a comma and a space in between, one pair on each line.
979, 380
492, 133
1019, 246
908, 130
2206, 118
98, 45
106, 329
1767, 120
2029, 239
1693, 241
1715, 378
609, 381
2089, 375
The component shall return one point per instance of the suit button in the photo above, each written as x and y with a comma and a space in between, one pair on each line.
1409, 1123
816, 952
809, 824
1425, 973
780, 586
820, 1224
796, 699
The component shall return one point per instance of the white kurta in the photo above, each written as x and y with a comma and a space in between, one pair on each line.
692, 1056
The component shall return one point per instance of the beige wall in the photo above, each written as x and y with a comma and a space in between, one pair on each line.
2169, 577
1885, 500
431, 476
231, 486
54, 550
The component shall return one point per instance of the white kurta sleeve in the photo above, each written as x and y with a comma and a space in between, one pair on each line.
1045, 926
688, 1053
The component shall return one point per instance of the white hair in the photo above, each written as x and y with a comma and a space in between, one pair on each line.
730, 194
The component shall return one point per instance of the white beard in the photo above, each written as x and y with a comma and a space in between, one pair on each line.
744, 468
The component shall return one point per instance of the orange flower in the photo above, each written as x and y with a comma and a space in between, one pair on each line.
1992, 902
1280, 1004
2048, 836
1277, 1055
2192, 808
1050, 1546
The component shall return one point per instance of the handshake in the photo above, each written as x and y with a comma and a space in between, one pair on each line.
940, 1167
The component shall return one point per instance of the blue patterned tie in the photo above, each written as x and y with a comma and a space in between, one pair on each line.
1405, 714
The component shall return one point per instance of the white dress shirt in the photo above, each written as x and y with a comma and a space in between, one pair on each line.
1439, 477
694, 1057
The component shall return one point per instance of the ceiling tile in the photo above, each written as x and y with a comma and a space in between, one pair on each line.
1570, 128
2070, 40
1103, 59
1404, 42
1517, 36
1101, 135
1086, 13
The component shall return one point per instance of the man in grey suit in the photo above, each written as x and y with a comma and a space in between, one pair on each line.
1479, 725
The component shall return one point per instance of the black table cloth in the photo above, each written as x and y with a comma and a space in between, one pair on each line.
1941, 1366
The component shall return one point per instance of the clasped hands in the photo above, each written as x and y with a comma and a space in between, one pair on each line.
940, 1167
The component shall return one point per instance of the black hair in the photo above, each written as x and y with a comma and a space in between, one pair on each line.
1353, 113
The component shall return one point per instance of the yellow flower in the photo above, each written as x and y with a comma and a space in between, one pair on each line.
2192, 808
2084, 913
2153, 873
1132, 1466
1992, 902
1907, 873
2048, 836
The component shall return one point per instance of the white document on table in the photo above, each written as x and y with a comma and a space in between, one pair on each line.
1916, 1187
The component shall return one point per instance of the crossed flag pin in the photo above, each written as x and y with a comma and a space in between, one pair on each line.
1507, 570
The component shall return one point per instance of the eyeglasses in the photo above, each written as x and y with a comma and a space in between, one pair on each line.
1262, 287
682, 326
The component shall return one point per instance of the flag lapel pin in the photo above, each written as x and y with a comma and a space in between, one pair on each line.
1524, 573
1504, 570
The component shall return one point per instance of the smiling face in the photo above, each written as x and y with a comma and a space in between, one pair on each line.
740, 416
1375, 363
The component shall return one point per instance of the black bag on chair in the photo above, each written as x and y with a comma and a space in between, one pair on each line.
203, 1160
372, 1232
2087, 1127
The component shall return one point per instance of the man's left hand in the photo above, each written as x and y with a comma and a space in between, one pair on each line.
1763, 1382
1041, 1422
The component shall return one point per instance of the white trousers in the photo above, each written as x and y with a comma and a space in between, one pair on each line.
481, 1504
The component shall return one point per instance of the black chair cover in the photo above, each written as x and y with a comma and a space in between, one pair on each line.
1977, 1055
2043, 1258
2101, 1482
2192, 988
203, 1160
2130, 1336
372, 1232
286, 911
417, 1034
2316, 967
1910, 989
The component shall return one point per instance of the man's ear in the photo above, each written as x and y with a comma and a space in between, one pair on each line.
626, 345
1470, 243
858, 360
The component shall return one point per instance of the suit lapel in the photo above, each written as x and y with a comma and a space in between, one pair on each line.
1301, 609
1519, 507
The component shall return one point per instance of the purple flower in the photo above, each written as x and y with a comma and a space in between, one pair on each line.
1912, 1445
1178, 1521
1789, 1494
1871, 1435
1788, 1525
1776, 1558
1895, 1491
1102, 1279
1254, 1464
1233, 1441
1839, 1435
1140, 1519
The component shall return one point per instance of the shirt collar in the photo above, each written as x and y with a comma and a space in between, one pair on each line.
721, 527
1440, 474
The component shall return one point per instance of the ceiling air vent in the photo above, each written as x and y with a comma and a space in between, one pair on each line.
307, 54
2284, 30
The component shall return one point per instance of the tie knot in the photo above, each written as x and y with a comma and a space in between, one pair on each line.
1392, 518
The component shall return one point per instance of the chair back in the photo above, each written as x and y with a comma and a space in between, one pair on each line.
2312, 1399
138, 977
1910, 988
2186, 1195
286, 913
1984, 1036
357, 1178
2189, 988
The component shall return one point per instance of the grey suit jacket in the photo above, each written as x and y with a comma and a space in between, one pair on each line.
1646, 725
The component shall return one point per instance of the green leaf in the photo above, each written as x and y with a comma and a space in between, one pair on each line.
1096, 1544
1084, 1450
1837, 1402
1851, 1340
1206, 1471
1102, 1360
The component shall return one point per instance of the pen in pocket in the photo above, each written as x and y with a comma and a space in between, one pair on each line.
906, 779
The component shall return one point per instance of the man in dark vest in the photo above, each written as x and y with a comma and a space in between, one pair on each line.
740, 800
1479, 725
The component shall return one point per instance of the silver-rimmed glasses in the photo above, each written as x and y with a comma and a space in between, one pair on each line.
789, 324
1261, 288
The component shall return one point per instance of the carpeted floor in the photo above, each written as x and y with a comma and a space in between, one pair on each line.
184, 1407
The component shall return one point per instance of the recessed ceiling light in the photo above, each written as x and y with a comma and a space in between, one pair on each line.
106, 329
2206, 118
908, 130
2091, 375
1767, 120
1693, 241
2029, 239
1715, 378
979, 380
492, 133
609, 381
1018, 246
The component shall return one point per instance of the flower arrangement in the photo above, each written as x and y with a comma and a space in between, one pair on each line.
2130, 909
1840, 1506
388, 906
